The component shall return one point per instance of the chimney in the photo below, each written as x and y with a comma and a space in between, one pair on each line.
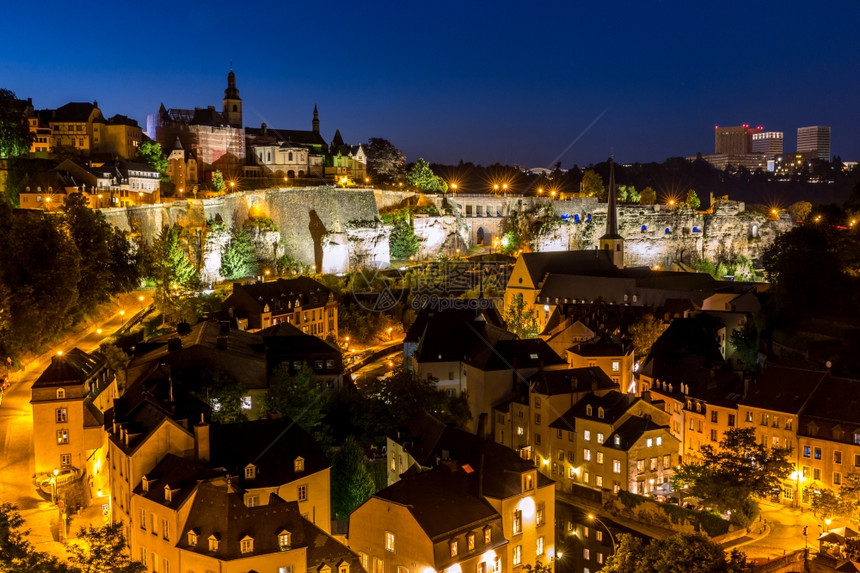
174, 343
481, 478
201, 440
265, 129
646, 396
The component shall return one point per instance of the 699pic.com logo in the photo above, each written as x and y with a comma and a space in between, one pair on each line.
371, 289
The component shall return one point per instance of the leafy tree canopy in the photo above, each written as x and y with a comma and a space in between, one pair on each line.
102, 549
422, 178
153, 155
14, 132
298, 396
680, 553
239, 257
352, 483
645, 333
385, 163
648, 196
520, 320
729, 475
402, 242
692, 200
218, 181
592, 185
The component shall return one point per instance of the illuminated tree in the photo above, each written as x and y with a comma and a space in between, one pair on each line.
422, 178
239, 257
101, 550
351, 481
385, 163
692, 200
14, 132
592, 185
298, 396
218, 181
519, 319
153, 155
402, 242
682, 552
648, 196
645, 333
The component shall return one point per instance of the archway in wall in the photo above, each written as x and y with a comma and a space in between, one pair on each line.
291, 174
480, 236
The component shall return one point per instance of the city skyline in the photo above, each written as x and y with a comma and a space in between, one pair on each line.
527, 86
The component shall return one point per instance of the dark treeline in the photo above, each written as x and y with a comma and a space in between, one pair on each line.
820, 183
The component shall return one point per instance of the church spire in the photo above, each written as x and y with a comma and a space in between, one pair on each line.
316, 122
611, 241
232, 103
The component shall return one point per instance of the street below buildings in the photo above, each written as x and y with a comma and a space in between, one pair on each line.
16, 430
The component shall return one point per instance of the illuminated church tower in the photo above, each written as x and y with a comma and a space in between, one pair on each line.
611, 240
232, 103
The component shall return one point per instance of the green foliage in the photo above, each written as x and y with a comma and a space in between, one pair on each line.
102, 549
171, 270
225, 396
520, 320
731, 474
352, 483
692, 200
385, 163
745, 341
153, 155
645, 333
402, 242
297, 396
592, 185
217, 181
14, 132
648, 196
538, 567
844, 502
680, 553
800, 210
16, 553
239, 257
628, 194
261, 223
422, 178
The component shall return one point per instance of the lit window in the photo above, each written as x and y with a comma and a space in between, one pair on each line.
246, 402
454, 549
63, 436
586, 454
470, 542
488, 535
389, 541
302, 492
518, 522
599, 437
518, 555
192, 537
616, 365
659, 440
616, 466
540, 545
649, 442
807, 451
247, 545
299, 465
284, 540
250, 471
539, 514
586, 435
62, 415
213, 543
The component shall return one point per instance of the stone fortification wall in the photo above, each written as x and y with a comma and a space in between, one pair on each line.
440, 235
305, 217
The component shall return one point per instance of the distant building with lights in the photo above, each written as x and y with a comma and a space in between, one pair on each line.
734, 140
816, 139
768, 143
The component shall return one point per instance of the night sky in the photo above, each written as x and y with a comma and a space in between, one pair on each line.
508, 82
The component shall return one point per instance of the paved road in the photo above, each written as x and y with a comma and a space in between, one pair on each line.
786, 532
16, 430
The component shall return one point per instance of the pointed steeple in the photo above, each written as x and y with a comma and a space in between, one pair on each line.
232, 103
178, 144
337, 141
611, 241
316, 122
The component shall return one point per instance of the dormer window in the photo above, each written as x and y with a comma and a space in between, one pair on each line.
454, 548
213, 543
168, 494
588, 410
488, 535
246, 545
343, 567
192, 538
600, 412
617, 440
250, 471
284, 540
144, 484
61, 393
528, 481
299, 465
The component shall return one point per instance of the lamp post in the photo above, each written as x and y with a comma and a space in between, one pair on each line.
122, 314
611, 537
54, 486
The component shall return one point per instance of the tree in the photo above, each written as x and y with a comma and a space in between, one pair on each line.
538, 567
648, 196
592, 185
218, 181
800, 210
645, 333
225, 396
239, 257
745, 341
422, 178
692, 200
14, 131
171, 270
153, 155
16, 553
402, 242
680, 553
298, 396
844, 502
102, 549
351, 481
729, 475
519, 319
385, 163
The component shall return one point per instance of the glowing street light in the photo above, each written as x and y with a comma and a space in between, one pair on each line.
122, 314
390, 329
540, 190
593, 517
454, 187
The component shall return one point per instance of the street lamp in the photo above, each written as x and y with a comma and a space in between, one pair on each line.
122, 314
54, 486
267, 273
389, 332
454, 187
611, 537
495, 187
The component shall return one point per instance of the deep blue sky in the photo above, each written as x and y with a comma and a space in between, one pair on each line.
509, 82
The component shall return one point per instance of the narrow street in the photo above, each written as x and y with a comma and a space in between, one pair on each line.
16, 431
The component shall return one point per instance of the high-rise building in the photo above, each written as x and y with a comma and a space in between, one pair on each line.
767, 142
734, 140
814, 138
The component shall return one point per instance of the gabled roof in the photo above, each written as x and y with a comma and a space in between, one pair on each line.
451, 316
614, 405
284, 337
836, 400
455, 335
442, 501
272, 445
605, 346
631, 431
77, 112
281, 295
181, 475
297, 136
71, 368
537, 265
570, 380
783, 389
507, 354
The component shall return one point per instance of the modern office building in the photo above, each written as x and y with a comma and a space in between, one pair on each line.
814, 138
734, 140
767, 142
